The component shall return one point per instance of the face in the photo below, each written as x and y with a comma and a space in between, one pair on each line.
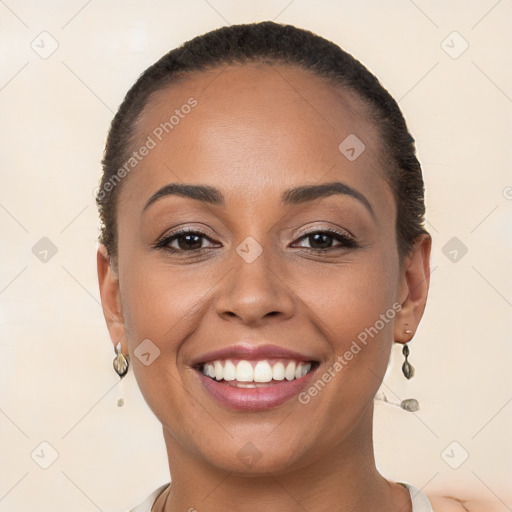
303, 287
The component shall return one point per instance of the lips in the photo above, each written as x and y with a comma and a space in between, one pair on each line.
249, 377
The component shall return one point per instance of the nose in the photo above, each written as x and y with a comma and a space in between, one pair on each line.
255, 292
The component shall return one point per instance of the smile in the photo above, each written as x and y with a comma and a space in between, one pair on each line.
255, 373
253, 377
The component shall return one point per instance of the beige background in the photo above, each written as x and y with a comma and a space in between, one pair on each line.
56, 380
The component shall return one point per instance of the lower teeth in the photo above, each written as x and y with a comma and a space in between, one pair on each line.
240, 384
248, 384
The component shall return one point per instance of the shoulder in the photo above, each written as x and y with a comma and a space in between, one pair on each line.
435, 502
147, 504
444, 503
448, 504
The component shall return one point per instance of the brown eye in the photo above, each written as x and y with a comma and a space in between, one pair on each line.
320, 241
184, 240
189, 241
323, 240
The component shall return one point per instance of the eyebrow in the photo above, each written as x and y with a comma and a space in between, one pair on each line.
307, 193
293, 196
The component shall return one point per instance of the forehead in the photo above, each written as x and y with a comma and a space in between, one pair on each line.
259, 128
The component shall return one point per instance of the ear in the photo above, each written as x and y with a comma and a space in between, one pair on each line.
413, 289
111, 298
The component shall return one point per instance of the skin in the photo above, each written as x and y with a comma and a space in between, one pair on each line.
255, 132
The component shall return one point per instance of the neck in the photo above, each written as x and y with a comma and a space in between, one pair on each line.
343, 479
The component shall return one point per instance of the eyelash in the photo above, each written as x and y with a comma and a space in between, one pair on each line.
347, 241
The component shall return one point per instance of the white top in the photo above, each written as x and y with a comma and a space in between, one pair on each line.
420, 502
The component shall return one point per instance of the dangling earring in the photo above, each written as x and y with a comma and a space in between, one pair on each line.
409, 404
407, 368
121, 363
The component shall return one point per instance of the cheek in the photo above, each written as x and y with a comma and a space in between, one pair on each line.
162, 302
354, 307
351, 297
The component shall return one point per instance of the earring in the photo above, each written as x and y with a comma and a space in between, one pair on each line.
121, 362
407, 368
409, 404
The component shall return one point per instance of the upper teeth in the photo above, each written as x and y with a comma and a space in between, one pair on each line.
261, 371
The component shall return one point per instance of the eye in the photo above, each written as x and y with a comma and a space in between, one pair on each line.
189, 240
322, 240
184, 240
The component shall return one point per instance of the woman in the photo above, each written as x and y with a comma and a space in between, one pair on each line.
262, 247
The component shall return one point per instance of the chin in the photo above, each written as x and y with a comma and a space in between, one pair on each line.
251, 462
258, 454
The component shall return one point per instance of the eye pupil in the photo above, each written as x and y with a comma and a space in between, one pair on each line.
192, 242
323, 239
